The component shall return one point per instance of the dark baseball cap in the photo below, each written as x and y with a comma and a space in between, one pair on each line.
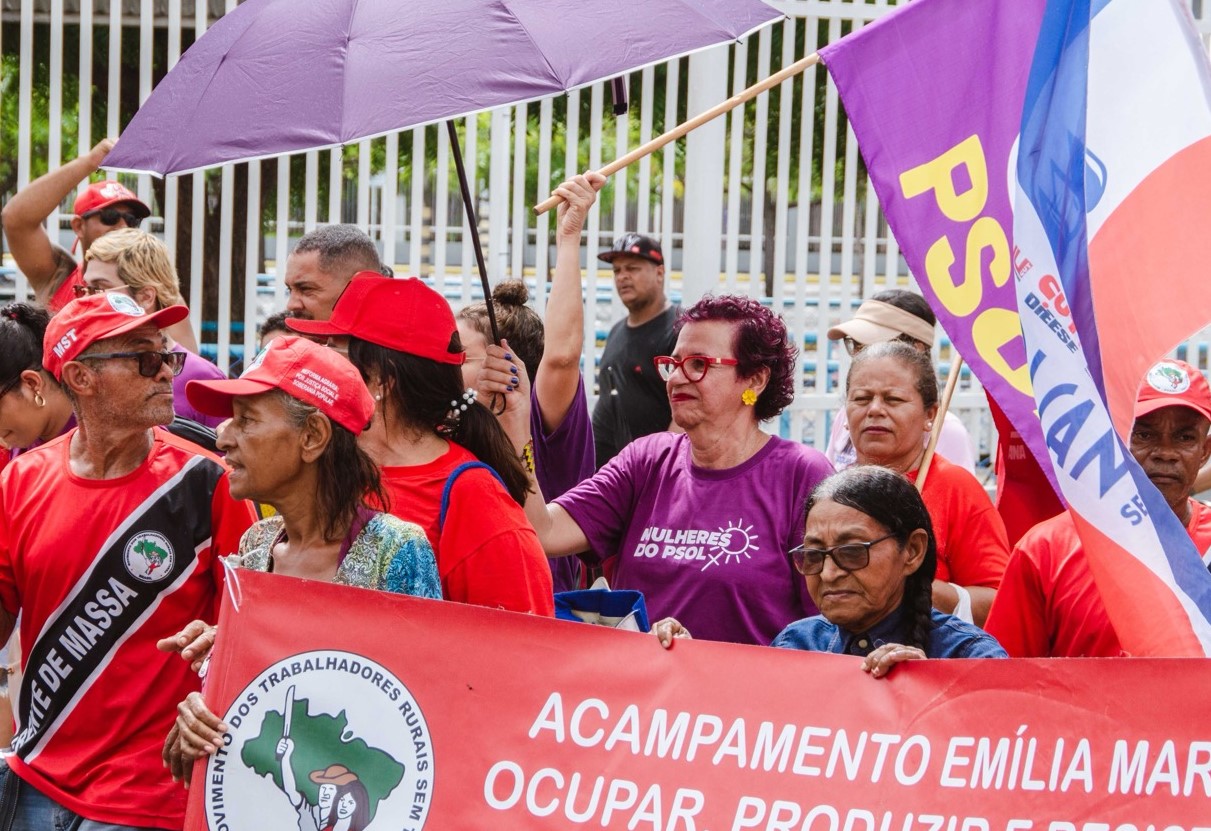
634, 245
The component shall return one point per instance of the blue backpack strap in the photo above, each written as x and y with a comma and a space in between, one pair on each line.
454, 474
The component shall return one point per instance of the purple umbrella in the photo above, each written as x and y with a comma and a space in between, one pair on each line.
281, 76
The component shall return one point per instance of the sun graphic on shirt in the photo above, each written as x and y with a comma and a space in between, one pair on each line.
741, 540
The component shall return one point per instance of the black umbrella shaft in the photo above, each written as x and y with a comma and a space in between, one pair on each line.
473, 224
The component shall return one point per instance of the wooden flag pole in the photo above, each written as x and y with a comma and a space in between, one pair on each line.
694, 123
951, 383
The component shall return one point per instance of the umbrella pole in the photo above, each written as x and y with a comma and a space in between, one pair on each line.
473, 224
694, 123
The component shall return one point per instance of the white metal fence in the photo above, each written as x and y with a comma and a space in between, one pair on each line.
771, 201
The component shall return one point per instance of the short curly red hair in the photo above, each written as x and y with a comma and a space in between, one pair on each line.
761, 342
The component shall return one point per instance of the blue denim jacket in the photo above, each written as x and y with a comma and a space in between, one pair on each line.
949, 638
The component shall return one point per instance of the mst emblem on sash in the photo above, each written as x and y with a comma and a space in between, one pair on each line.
148, 557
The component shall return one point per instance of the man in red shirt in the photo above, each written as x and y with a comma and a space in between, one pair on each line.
100, 208
1048, 604
110, 538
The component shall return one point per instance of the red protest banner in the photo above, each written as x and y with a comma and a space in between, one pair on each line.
352, 709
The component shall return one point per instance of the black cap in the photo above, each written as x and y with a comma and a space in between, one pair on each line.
634, 245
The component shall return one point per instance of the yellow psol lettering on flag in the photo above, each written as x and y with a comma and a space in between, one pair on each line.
986, 248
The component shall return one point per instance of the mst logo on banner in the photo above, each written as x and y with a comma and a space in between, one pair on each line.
423, 714
328, 736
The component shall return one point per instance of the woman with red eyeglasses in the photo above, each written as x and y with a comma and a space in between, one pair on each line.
699, 521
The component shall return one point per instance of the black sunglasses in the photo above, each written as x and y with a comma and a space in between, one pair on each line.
849, 557
149, 362
110, 216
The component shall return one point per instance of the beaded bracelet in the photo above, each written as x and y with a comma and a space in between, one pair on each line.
527, 456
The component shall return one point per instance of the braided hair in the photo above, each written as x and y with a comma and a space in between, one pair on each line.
893, 502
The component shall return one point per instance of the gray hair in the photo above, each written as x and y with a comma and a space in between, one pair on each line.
343, 250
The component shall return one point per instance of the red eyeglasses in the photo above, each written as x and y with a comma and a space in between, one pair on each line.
693, 367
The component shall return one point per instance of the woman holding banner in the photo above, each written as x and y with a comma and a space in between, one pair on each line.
891, 402
295, 416
868, 559
690, 519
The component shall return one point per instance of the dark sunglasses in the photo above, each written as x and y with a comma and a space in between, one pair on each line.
111, 215
149, 362
849, 557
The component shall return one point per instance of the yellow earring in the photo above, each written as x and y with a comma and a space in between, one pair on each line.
748, 397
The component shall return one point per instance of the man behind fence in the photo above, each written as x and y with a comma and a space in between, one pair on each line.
110, 538
322, 264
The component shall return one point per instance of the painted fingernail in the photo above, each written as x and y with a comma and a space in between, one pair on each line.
508, 357
513, 369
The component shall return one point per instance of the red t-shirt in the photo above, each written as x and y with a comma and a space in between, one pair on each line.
1024, 493
487, 552
66, 292
1048, 605
100, 570
972, 547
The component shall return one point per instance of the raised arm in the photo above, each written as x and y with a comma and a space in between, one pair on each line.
40, 260
502, 376
559, 370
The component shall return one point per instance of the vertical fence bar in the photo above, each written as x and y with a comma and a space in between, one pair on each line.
147, 29
520, 224
756, 245
311, 191
171, 183
643, 194
113, 123
84, 107
669, 167
390, 218
54, 120
25, 59
735, 160
441, 206
498, 193
622, 127
416, 222
281, 234
336, 181
252, 261
543, 223
197, 230
226, 217
782, 175
363, 185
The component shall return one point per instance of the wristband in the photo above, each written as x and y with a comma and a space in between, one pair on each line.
527, 456
963, 607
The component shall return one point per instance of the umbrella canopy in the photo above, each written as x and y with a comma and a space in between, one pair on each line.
281, 76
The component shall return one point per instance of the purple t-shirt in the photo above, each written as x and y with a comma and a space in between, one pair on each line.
708, 547
196, 368
562, 460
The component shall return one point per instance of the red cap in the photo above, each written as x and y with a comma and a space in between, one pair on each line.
100, 195
87, 320
1174, 384
404, 315
313, 374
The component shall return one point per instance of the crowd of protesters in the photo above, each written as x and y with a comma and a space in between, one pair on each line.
382, 440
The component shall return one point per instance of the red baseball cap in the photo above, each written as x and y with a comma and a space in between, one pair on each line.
100, 195
313, 374
1174, 383
400, 314
87, 320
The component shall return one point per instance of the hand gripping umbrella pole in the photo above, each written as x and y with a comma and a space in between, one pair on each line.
694, 123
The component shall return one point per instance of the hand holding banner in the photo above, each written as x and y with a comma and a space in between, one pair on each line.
438, 715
